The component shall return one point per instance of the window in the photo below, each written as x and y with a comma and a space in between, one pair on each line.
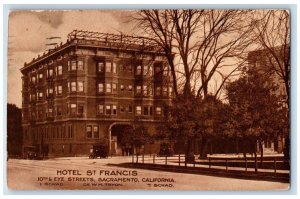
73, 65
100, 109
59, 89
50, 111
138, 110
59, 70
129, 87
108, 110
129, 109
114, 67
158, 91
108, 67
80, 109
100, 88
158, 110
122, 109
73, 86
33, 79
89, 131
122, 87
95, 131
130, 68
101, 67
165, 91
40, 95
150, 91
41, 76
114, 86
139, 70
80, 65
58, 110
145, 70
157, 69
50, 73
114, 109
40, 114
145, 90
32, 97
150, 70
138, 89
73, 108
146, 110
108, 88
80, 86
49, 91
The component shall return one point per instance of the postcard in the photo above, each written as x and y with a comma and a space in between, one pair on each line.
165, 99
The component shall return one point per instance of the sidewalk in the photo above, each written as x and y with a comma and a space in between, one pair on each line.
218, 165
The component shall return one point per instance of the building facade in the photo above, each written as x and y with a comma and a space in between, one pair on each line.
86, 90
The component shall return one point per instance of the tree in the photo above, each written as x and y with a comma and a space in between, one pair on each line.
14, 130
195, 119
271, 32
197, 44
256, 110
135, 137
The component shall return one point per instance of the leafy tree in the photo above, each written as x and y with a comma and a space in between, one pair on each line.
197, 118
14, 130
271, 32
256, 110
135, 137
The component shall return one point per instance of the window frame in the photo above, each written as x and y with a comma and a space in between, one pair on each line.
80, 88
138, 110
139, 70
101, 66
59, 70
101, 85
100, 111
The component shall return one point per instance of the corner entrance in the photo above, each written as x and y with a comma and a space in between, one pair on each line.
118, 144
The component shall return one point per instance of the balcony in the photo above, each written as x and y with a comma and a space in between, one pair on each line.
50, 118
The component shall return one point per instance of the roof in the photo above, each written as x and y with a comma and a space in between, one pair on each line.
100, 41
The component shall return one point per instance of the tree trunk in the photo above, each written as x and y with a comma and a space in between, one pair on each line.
237, 146
203, 151
261, 152
137, 155
255, 161
188, 147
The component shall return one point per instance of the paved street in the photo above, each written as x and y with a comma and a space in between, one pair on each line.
84, 173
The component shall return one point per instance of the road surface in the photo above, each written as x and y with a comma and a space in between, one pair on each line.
83, 173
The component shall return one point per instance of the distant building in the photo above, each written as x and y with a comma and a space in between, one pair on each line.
14, 137
264, 62
89, 88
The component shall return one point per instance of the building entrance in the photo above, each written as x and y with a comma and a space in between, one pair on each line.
119, 145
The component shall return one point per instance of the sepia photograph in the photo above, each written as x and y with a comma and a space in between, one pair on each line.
149, 99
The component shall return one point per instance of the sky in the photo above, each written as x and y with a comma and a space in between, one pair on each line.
28, 31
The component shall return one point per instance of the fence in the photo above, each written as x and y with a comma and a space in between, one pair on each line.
270, 164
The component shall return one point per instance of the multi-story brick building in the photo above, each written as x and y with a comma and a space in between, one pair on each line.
87, 89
